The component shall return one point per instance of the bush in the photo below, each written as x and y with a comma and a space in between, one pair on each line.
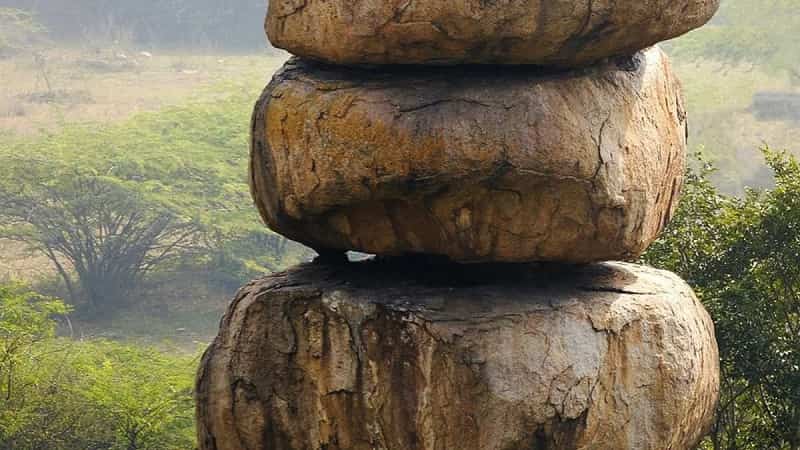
742, 256
63, 394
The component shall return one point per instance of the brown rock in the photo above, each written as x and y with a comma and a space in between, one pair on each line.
478, 164
542, 32
375, 356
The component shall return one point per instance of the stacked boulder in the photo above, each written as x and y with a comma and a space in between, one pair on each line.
450, 137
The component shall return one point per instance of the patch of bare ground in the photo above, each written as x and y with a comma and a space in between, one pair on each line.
17, 263
46, 88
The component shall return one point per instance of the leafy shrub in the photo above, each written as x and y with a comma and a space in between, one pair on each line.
742, 256
93, 394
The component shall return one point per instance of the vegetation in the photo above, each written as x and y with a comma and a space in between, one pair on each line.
749, 32
59, 393
111, 204
742, 256
107, 233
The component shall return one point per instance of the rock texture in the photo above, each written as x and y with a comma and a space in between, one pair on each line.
478, 164
542, 32
373, 355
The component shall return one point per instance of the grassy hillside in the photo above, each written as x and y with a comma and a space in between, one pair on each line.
748, 49
46, 87
171, 128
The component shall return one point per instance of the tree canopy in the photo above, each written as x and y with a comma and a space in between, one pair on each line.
742, 256
111, 203
93, 225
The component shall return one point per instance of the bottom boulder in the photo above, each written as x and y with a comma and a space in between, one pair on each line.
408, 355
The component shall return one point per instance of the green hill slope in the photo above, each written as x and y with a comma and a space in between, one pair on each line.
747, 51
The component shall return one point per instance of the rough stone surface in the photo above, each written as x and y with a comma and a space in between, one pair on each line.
372, 356
478, 163
542, 32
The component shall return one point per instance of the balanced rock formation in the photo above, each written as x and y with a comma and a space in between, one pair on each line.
572, 158
378, 355
542, 32
477, 164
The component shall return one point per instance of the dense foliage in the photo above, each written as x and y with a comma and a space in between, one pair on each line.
742, 256
90, 394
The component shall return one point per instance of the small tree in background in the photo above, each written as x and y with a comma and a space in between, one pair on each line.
96, 227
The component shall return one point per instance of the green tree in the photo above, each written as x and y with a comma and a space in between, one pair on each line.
180, 170
25, 319
147, 395
96, 226
30, 389
742, 256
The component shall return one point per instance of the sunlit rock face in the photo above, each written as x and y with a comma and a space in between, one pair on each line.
409, 356
476, 164
564, 33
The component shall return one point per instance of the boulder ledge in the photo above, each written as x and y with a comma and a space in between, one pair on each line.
417, 356
542, 32
476, 164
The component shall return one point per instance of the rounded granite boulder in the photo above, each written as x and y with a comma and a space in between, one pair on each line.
541, 32
376, 355
478, 164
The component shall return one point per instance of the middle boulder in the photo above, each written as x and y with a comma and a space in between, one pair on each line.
473, 163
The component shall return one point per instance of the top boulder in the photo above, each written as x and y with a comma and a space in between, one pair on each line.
564, 33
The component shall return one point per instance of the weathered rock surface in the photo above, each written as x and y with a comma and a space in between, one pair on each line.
478, 163
542, 32
370, 355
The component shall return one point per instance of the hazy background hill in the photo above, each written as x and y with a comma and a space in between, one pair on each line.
195, 24
741, 76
